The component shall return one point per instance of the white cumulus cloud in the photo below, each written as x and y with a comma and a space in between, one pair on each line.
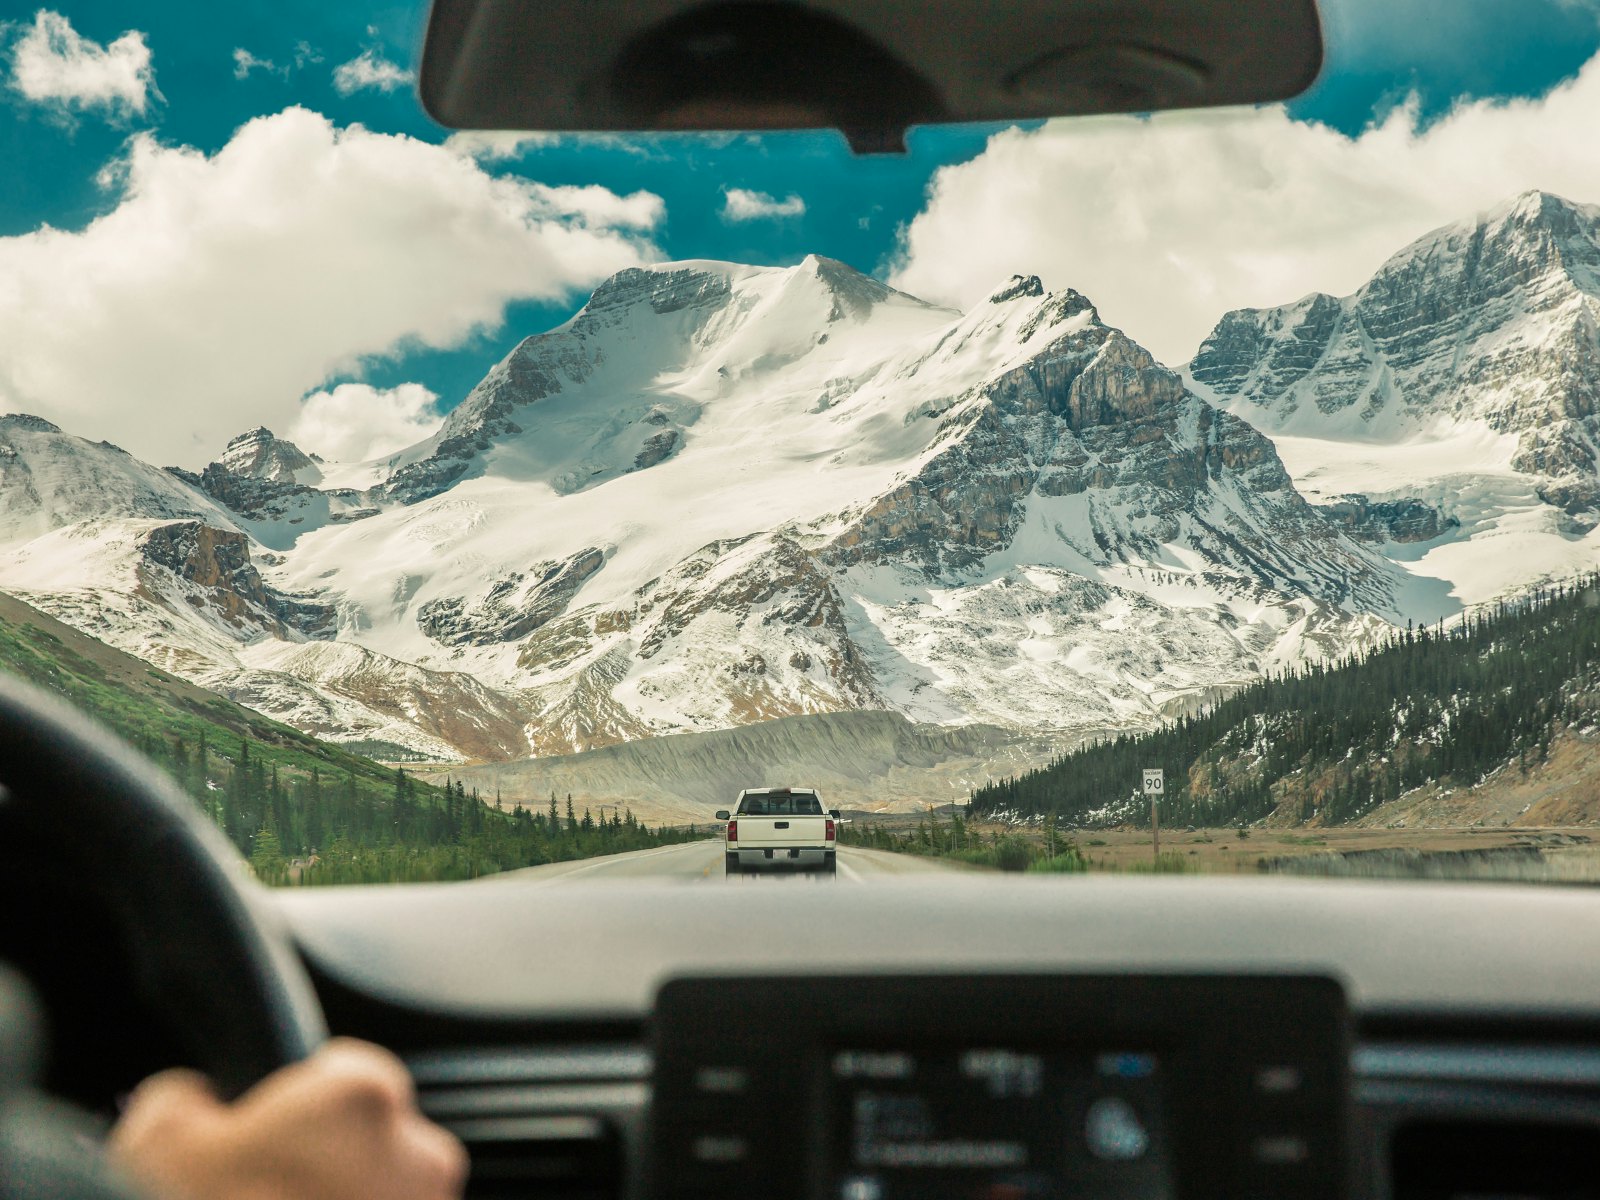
356, 422
504, 145
221, 288
244, 63
497, 145
740, 204
369, 69
53, 64
1168, 222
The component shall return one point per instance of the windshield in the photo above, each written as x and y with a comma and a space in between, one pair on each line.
1196, 492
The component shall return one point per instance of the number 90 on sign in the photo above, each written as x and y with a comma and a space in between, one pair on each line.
1154, 781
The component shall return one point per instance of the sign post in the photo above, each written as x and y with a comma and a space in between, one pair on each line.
1154, 785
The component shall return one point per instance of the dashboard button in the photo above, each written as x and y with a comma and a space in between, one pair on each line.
719, 1149
1114, 1131
721, 1081
1279, 1080
1280, 1150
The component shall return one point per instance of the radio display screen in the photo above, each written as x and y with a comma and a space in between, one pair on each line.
997, 1123
1000, 1087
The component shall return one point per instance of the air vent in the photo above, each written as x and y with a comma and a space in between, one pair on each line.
540, 1124
518, 1158
1479, 1121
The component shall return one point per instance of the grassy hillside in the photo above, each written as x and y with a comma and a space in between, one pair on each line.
303, 810
1336, 743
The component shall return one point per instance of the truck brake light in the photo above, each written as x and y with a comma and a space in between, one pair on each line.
733, 831
830, 829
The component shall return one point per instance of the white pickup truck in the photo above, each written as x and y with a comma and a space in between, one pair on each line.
780, 829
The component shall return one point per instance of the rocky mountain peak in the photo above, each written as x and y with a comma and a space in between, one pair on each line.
1490, 321
29, 422
1510, 283
1017, 286
261, 454
855, 294
1535, 209
665, 289
1537, 245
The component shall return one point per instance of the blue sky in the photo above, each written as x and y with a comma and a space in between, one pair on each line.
1432, 54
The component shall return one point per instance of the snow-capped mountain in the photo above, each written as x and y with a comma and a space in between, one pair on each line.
721, 494
260, 454
50, 480
1465, 374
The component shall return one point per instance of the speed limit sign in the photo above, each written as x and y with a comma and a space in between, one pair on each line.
1154, 781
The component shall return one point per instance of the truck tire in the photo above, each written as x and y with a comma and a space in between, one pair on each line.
730, 865
830, 864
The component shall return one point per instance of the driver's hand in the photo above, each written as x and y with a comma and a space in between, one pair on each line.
342, 1125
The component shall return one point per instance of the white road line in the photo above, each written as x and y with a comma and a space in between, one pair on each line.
848, 871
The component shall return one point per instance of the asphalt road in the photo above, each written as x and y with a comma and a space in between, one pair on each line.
701, 862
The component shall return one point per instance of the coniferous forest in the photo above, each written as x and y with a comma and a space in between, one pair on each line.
302, 810
1330, 743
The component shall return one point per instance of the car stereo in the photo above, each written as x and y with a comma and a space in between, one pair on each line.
1022, 1087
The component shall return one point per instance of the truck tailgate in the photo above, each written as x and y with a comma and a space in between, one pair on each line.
782, 831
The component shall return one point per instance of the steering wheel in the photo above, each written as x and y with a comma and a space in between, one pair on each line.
208, 953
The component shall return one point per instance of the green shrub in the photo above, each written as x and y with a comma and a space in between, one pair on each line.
1069, 861
1013, 854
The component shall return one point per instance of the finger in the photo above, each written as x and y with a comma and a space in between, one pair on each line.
436, 1160
367, 1071
178, 1088
344, 1074
164, 1114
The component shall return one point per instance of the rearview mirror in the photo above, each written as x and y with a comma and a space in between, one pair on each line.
870, 68
722, 814
834, 813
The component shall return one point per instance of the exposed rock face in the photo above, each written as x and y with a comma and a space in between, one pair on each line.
1492, 320
1091, 415
261, 455
753, 630
29, 423
962, 505
270, 485
341, 691
214, 567
658, 447
513, 607
1388, 520
529, 373
256, 498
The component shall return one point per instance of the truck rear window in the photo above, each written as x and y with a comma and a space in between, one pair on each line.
796, 804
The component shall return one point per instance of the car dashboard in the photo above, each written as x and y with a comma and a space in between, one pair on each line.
986, 1037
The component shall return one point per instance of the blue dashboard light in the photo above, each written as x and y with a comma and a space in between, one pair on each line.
1125, 1066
